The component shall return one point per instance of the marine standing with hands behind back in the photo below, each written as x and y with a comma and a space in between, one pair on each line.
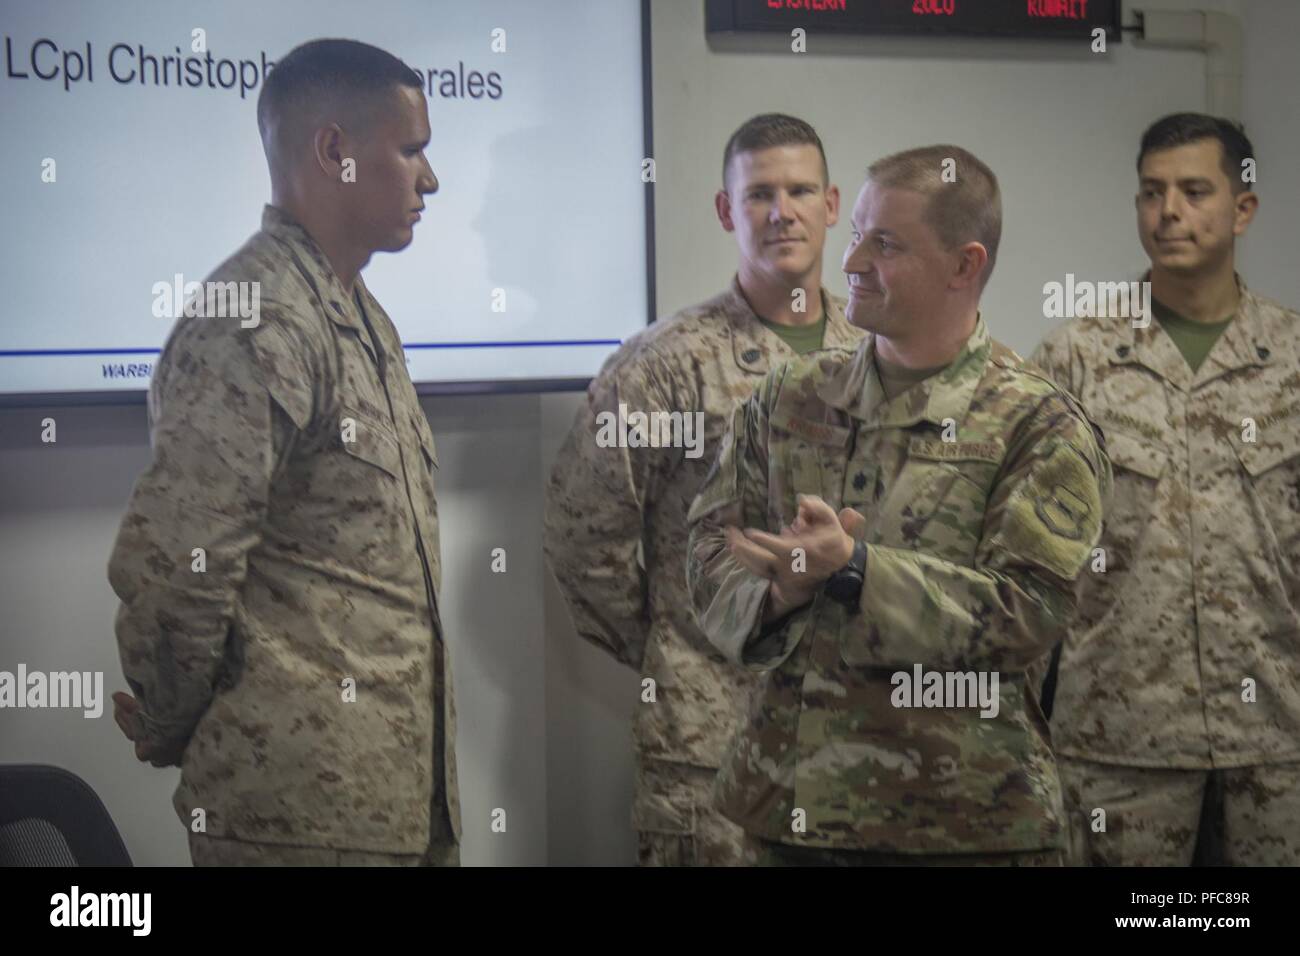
278, 561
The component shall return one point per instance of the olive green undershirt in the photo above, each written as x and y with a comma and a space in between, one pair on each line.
1194, 339
801, 338
896, 379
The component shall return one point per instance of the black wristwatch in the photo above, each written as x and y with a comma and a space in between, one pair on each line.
845, 585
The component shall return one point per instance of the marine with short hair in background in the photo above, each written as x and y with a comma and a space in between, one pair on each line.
1177, 707
616, 516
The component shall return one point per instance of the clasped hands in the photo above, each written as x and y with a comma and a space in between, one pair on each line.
127, 713
827, 540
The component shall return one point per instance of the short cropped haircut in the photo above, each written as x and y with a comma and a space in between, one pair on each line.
1180, 129
964, 206
768, 130
328, 73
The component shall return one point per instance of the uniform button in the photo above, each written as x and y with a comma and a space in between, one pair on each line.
1122, 351
1262, 352
751, 355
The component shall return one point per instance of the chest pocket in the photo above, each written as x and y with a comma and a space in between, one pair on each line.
800, 456
1138, 466
936, 503
369, 442
1272, 466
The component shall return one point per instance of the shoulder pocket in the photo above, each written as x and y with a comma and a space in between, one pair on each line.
1053, 517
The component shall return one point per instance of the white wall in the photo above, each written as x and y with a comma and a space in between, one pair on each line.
60, 505
544, 718
1271, 104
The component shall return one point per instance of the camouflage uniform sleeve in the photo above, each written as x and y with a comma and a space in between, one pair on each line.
1041, 523
728, 599
1054, 356
596, 503
225, 407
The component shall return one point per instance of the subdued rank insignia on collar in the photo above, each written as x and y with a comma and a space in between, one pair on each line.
1063, 512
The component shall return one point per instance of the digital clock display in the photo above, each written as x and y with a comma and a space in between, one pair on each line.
1047, 19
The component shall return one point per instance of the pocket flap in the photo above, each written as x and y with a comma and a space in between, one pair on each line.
372, 441
421, 425
1263, 455
1135, 454
670, 811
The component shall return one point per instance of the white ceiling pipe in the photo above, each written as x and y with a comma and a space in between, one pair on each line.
1217, 35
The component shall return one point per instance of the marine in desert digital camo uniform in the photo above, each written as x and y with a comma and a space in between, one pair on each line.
971, 501
278, 563
1177, 707
616, 517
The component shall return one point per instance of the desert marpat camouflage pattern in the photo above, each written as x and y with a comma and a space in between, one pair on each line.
1202, 543
1153, 815
675, 821
1202, 579
616, 538
973, 548
442, 851
322, 564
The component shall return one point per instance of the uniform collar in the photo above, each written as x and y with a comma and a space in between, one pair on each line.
337, 304
1244, 343
856, 387
752, 341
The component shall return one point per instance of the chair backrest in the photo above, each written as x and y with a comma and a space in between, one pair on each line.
51, 817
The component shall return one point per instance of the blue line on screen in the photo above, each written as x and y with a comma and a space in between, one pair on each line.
28, 353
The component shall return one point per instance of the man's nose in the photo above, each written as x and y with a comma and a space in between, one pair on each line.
857, 258
782, 210
428, 182
1171, 207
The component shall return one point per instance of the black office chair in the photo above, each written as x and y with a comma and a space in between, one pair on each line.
50, 817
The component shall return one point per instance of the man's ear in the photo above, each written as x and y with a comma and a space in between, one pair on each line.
1247, 204
327, 145
832, 206
722, 205
973, 258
